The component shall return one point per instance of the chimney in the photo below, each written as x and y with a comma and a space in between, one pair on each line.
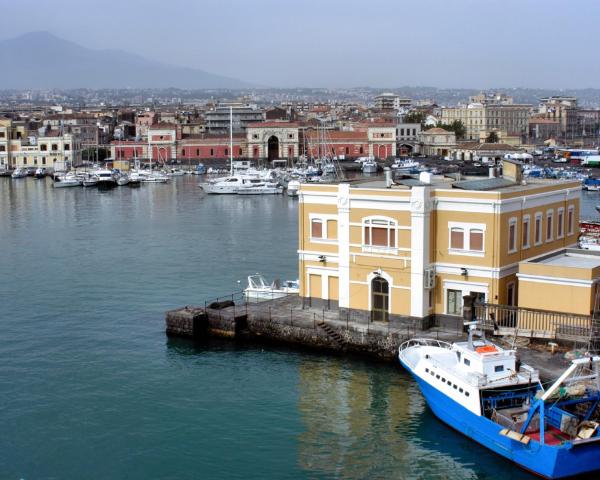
512, 170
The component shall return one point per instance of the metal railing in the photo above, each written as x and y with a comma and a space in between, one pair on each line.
529, 322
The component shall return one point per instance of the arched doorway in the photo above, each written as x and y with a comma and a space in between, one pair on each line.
273, 148
380, 299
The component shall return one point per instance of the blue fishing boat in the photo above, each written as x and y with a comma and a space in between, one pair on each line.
481, 390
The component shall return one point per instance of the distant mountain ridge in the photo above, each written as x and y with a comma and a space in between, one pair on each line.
42, 60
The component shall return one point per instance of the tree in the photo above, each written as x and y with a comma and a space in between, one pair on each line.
456, 126
492, 137
414, 117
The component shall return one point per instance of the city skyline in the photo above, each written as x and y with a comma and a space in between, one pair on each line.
339, 44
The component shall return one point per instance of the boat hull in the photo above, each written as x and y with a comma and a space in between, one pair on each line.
544, 460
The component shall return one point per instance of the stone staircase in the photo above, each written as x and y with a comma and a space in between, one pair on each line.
334, 336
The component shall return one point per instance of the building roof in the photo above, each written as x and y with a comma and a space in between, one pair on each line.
272, 124
483, 185
163, 126
437, 130
339, 135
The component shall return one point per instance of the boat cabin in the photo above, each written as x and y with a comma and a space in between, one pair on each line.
485, 358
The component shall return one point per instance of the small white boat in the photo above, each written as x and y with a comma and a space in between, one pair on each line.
19, 173
122, 179
106, 178
369, 166
68, 180
175, 172
259, 290
135, 179
292, 188
40, 172
404, 166
153, 177
90, 181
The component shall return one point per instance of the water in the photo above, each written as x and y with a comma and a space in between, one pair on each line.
90, 387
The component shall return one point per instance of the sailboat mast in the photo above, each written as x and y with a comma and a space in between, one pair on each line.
231, 138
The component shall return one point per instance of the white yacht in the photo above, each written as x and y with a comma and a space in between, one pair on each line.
135, 179
122, 179
175, 172
106, 178
369, 166
69, 179
227, 185
148, 176
90, 181
260, 188
404, 166
258, 289
292, 188
19, 173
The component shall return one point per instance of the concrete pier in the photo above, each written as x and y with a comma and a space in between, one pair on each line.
287, 320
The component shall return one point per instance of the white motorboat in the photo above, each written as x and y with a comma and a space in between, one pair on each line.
292, 188
90, 181
259, 290
404, 166
261, 188
175, 172
40, 172
135, 179
106, 178
369, 166
19, 173
122, 179
67, 180
154, 177
225, 185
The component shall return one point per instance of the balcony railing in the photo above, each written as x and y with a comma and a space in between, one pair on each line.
528, 322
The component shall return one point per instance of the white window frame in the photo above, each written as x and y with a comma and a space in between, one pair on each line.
526, 220
550, 223
540, 216
512, 221
323, 218
560, 223
571, 223
466, 288
466, 228
392, 227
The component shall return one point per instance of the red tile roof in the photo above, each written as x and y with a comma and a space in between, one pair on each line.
273, 124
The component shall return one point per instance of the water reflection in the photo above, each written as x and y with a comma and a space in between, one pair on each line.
365, 421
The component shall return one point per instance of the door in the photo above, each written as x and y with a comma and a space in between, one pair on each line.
380, 300
316, 287
333, 286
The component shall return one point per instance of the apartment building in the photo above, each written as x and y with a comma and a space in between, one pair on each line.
479, 118
414, 249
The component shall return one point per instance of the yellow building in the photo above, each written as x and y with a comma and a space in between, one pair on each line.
414, 250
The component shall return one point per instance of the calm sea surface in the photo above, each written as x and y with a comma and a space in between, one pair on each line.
91, 388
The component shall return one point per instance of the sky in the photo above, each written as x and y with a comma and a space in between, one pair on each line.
340, 43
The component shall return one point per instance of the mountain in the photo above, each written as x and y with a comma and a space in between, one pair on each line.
42, 60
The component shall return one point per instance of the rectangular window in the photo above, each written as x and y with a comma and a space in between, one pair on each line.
457, 238
316, 229
549, 225
526, 221
212, 152
512, 235
499, 368
467, 362
571, 220
379, 233
54, 147
476, 240
67, 147
454, 302
560, 223
197, 152
538, 229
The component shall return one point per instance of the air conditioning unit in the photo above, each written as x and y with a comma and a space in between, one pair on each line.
429, 278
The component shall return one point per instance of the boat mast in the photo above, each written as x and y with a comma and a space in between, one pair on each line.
231, 138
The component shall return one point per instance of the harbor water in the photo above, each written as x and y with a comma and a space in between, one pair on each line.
91, 387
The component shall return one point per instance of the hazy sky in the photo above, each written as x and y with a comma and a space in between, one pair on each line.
329, 43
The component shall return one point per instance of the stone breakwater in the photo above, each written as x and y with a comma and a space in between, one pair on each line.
288, 320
